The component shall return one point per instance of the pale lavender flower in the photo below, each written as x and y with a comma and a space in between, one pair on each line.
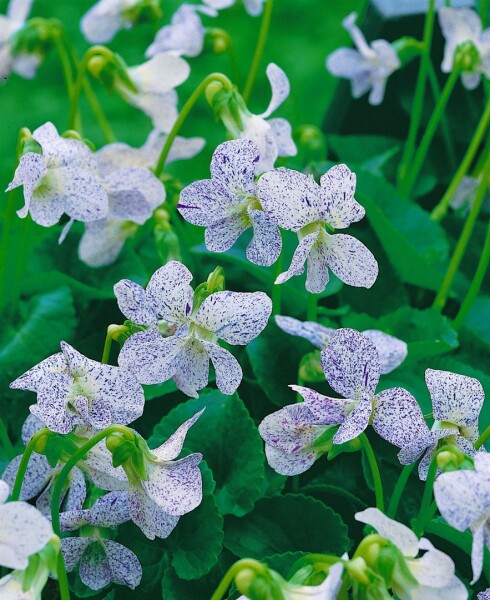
227, 204
368, 67
72, 390
297, 203
253, 7
434, 570
234, 317
105, 18
23, 63
485, 595
463, 499
456, 404
392, 351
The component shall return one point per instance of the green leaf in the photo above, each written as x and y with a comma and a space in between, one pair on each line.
230, 443
175, 588
478, 322
360, 148
289, 523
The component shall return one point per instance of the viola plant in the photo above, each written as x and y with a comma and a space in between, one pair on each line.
245, 350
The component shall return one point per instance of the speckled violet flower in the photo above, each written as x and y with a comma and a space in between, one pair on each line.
63, 179
368, 67
155, 81
105, 18
23, 531
234, 317
253, 7
392, 351
227, 204
463, 499
296, 202
72, 390
172, 488
434, 570
485, 595
23, 64
456, 404
461, 25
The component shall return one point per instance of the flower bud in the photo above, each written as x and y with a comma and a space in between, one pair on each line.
212, 90
216, 41
216, 281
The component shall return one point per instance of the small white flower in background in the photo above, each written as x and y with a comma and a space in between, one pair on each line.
463, 499
253, 7
392, 351
461, 25
227, 204
368, 67
456, 404
172, 488
434, 570
297, 203
464, 196
22, 63
23, 531
155, 81
72, 390
105, 18
63, 179
235, 317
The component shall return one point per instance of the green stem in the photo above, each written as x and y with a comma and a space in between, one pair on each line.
259, 50
373, 464
483, 13
441, 209
113, 332
464, 239
483, 438
425, 513
245, 563
65, 62
408, 182
62, 578
184, 113
418, 100
399, 489
475, 286
312, 307
24, 461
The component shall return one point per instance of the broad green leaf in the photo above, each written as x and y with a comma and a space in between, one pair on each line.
230, 443
176, 588
289, 523
362, 148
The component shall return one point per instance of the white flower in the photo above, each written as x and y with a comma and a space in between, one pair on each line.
434, 570
63, 179
485, 595
21, 63
368, 67
456, 404
463, 499
461, 25
235, 317
253, 7
227, 204
392, 351
155, 81
72, 389
296, 202
105, 18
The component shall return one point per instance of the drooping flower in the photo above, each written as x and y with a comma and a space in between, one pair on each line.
433, 572
227, 204
297, 203
235, 317
72, 390
463, 499
368, 67
155, 81
22, 63
392, 351
63, 179
460, 25
171, 489
456, 404
253, 7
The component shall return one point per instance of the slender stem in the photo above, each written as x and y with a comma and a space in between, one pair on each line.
259, 50
245, 563
408, 182
184, 113
373, 464
475, 286
483, 13
399, 489
425, 513
312, 307
441, 209
5, 440
24, 461
483, 438
418, 99
113, 332
464, 239
65, 62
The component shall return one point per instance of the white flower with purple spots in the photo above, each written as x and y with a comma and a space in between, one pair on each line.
392, 351
253, 7
155, 81
485, 595
105, 18
74, 390
456, 404
463, 499
460, 25
297, 203
368, 67
22, 63
172, 487
167, 303
434, 570
227, 204
63, 179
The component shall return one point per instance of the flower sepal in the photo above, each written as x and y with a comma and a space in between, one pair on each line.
260, 583
337, 449
467, 57
450, 458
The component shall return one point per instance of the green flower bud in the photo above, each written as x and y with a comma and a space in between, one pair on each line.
146, 11
216, 281
216, 41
